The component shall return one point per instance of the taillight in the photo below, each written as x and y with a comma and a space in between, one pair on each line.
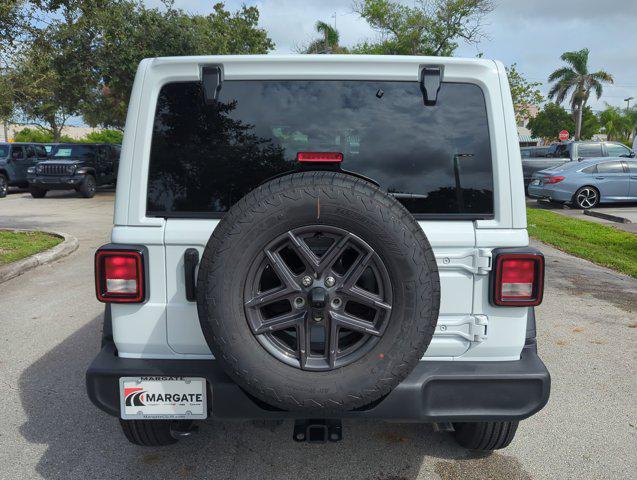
320, 157
119, 276
518, 279
555, 179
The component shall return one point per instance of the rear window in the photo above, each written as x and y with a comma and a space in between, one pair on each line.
4, 151
590, 150
435, 160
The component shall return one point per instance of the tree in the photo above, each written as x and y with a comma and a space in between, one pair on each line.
328, 43
104, 136
7, 100
576, 80
548, 123
618, 123
430, 27
524, 93
38, 135
130, 32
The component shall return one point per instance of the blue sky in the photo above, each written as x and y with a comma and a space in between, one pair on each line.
532, 33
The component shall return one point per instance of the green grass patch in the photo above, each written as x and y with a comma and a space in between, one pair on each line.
600, 244
17, 245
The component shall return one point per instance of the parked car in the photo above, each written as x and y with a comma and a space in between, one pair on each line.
560, 153
588, 183
541, 152
15, 159
291, 240
79, 166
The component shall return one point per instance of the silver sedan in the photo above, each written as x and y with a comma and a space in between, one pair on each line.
588, 183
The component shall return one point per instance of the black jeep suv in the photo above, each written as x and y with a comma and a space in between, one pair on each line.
79, 166
15, 159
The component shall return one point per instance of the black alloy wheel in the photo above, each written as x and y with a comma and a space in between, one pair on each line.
318, 297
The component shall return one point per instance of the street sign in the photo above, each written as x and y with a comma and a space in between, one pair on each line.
564, 135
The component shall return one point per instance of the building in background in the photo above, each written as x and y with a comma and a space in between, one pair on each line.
525, 137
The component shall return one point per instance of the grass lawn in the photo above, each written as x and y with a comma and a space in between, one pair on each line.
17, 245
598, 243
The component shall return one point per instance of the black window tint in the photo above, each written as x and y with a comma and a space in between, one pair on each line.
40, 151
589, 150
435, 160
610, 167
17, 152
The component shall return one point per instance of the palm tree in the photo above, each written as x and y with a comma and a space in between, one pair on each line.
576, 80
329, 42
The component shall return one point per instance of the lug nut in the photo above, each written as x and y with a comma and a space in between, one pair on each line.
336, 303
329, 282
299, 302
307, 281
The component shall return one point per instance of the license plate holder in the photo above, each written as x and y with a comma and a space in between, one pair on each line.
163, 398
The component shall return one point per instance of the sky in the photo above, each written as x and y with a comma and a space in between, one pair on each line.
531, 33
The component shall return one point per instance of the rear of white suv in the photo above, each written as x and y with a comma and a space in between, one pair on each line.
320, 237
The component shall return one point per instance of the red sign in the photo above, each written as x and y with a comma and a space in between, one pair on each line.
564, 135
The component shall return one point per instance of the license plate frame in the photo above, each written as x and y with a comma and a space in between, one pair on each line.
151, 398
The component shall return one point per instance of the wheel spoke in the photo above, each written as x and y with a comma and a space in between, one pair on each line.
305, 253
333, 253
271, 296
356, 270
359, 295
281, 322
350, 322
283, 271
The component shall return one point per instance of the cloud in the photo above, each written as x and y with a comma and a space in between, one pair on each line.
532, 34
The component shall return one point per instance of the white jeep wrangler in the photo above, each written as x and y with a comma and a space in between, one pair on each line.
317, 238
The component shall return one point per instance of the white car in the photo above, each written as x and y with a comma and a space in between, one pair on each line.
318, 238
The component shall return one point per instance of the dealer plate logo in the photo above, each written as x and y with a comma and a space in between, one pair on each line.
163, 398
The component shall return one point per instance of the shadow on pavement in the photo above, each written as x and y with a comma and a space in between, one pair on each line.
83, 442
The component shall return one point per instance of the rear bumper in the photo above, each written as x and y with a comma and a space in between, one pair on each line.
433, 392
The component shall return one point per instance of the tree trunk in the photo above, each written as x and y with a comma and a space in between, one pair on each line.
6, 131
578, 122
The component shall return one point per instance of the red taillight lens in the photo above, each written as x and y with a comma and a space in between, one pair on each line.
555, 179
321, 157
519, 279
119, 276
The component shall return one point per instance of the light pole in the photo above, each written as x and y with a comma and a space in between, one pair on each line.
627, 100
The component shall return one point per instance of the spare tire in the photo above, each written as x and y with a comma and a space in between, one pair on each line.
318, 292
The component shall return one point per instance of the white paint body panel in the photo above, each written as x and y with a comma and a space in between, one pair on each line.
469, 328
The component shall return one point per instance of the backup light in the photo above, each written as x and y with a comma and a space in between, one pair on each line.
119, 276
519, 279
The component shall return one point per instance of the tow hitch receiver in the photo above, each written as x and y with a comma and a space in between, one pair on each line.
319, 430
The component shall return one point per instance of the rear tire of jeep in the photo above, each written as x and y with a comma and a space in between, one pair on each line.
148, 433
37, 192
87, 187
327, 354
485, 436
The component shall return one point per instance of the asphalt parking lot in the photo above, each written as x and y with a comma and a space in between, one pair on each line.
50, 327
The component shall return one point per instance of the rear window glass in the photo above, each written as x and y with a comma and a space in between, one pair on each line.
4, 151
435, 160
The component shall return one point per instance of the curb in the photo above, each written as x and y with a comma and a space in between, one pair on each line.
606, 216
14, 269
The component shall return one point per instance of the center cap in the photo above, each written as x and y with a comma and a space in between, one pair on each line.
318, 297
